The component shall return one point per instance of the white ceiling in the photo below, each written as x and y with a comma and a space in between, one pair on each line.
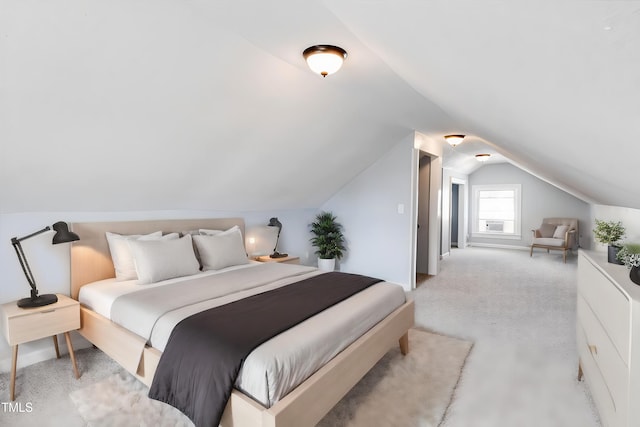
209, 105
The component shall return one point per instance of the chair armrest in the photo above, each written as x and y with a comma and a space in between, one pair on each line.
536, 233
566, 237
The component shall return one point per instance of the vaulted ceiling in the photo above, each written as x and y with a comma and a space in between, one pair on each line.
202, 104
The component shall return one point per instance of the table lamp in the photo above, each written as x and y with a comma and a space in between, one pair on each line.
63, 235
273, 222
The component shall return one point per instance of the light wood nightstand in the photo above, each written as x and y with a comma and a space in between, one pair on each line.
21, 325
285, 260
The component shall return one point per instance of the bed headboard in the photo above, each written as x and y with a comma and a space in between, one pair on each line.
90, 256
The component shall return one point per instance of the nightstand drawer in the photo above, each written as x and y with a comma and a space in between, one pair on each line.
41, 322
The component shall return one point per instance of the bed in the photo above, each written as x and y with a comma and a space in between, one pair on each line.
305, 404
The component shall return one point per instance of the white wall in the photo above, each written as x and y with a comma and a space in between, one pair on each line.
50, 264
539, 200
378, 237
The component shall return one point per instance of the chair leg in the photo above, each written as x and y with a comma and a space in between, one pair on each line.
531, 252
564, 256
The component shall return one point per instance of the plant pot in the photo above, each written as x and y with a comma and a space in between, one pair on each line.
327, 264
634, 275
613, 251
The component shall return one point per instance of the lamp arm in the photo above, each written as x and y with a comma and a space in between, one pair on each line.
15, 240
24, 264
277, 239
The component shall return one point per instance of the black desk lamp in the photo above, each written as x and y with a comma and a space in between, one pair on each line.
273, 222
63, 235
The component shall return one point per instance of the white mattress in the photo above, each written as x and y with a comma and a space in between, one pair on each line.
282, 363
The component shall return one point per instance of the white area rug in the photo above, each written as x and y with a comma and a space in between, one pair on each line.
412, 390
121, 400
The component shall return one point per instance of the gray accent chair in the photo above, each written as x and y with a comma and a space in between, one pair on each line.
556, 234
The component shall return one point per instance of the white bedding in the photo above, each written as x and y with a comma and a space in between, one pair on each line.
280, 364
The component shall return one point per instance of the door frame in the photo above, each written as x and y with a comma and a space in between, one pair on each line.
433, 150
463, 210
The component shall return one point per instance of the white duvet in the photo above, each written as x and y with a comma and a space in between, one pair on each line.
282, 363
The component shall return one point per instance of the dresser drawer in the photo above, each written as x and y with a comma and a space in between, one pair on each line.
597, 386
610, 306
596, 349
42, 323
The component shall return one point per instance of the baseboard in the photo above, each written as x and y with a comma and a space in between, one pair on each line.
43, 352
497, 246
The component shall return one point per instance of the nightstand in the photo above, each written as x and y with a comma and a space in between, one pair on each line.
284, 260
21, 325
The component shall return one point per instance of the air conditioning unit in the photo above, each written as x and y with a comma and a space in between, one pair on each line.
497, 226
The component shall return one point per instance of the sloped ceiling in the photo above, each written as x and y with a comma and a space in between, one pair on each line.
552, 85
200, 104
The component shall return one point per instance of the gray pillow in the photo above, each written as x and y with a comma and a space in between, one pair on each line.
121, 252
221, 250
547, 230
158, 260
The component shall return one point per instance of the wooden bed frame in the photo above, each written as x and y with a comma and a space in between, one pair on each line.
305, 405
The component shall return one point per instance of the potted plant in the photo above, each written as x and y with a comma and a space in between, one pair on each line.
629, 255
327, 239
610, 233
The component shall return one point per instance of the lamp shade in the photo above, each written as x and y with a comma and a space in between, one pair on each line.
324, 59
454, 140
63, 235
482, 157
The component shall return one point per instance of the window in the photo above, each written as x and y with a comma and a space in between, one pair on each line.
496, 211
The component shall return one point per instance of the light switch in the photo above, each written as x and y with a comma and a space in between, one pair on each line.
400, 208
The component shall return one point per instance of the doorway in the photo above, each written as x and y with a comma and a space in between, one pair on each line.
455, 206
458, 213
422, 235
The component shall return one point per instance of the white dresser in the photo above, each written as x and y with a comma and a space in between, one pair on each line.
608, 332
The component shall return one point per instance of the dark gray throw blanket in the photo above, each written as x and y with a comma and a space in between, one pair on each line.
205, 352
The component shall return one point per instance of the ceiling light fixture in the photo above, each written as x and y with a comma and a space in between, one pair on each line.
324, 59
454, 139
482, 157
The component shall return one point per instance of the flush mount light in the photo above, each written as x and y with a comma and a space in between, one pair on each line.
324, 59
454, 139
482, 157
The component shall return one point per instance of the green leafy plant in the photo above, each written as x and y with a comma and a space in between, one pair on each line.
327, 236
609, 232
629, 255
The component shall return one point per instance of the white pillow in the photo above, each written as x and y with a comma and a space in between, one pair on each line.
206, 232
560, 231
121, 253
221, 250
158, 260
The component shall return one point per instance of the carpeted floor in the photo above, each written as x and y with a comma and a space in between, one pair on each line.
520, 313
